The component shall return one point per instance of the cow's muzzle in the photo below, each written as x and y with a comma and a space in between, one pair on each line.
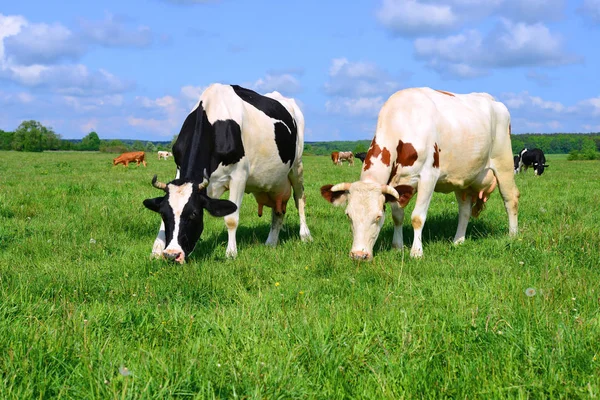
175, 255
361, 255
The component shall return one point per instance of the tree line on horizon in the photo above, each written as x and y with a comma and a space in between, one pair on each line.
33, 136
579, 146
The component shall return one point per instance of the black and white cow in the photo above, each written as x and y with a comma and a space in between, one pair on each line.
532, 158
361, 156
516, 160
238, 140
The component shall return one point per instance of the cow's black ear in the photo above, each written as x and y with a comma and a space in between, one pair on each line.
153, 204
218, 207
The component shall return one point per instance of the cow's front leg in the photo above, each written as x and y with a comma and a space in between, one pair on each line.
464, 214
424, 193
236, 194
397, 217
160, 242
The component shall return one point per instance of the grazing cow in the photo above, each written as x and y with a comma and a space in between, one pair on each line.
427, 141
346, 156
164, 154
126, 158
238, 140
335, 157
361, 156
532, 158
516, 160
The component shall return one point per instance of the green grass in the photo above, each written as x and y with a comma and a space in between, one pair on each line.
301, 320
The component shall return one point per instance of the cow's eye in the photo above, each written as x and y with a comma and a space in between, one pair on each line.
193, 215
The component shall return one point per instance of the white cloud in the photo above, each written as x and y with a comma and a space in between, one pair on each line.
590, 9
469, 54
42, 44
362, 106
358, 79
285, 83
191, 94
37, 47
113, 32
414, 18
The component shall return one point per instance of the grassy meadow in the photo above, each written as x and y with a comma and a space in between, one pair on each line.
85, 313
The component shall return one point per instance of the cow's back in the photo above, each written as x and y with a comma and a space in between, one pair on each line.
456, 133
266, 156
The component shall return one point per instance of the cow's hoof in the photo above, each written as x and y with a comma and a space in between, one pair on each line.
459, 241
305, 235
416, 253
398, 246
271, 242
155, 255
231, 253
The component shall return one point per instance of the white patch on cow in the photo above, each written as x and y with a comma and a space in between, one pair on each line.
179, 196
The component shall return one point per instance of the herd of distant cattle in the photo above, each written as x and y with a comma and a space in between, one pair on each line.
426, 141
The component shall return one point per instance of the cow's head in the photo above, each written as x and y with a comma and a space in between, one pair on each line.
516, 160
182, 211
538, 168
365, 210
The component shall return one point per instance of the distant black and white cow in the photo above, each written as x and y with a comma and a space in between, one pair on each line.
516, 160
361, 156
238, 140
532, 158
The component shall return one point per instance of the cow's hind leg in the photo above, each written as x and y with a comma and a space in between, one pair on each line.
425, 190
509, 192
296, 176
464, 213
276, 224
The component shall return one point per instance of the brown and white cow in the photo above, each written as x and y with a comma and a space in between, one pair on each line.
426, 141
335, 157
126, 158
346, 156
164, 155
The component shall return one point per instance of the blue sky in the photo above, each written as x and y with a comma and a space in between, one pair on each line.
133, 69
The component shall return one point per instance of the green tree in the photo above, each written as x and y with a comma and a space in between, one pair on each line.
150, 147
137, 146
91, 142
6, 139
33, 136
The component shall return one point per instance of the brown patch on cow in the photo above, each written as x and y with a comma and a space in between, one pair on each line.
328, 195
444, 92
417, 222
406, 154
230, 222
436, 156
393, 173
509, 129
335, 157
375, 151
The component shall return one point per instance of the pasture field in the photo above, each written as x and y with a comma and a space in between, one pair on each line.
84, 312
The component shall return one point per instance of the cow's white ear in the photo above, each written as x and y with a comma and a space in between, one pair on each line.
337, 198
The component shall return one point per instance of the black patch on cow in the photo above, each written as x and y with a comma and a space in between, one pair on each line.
201, 145
228, 144
286, 132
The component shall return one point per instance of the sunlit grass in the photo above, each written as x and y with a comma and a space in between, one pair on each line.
86, 314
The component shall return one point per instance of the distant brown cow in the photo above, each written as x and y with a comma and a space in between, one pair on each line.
126, 158
335, 157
